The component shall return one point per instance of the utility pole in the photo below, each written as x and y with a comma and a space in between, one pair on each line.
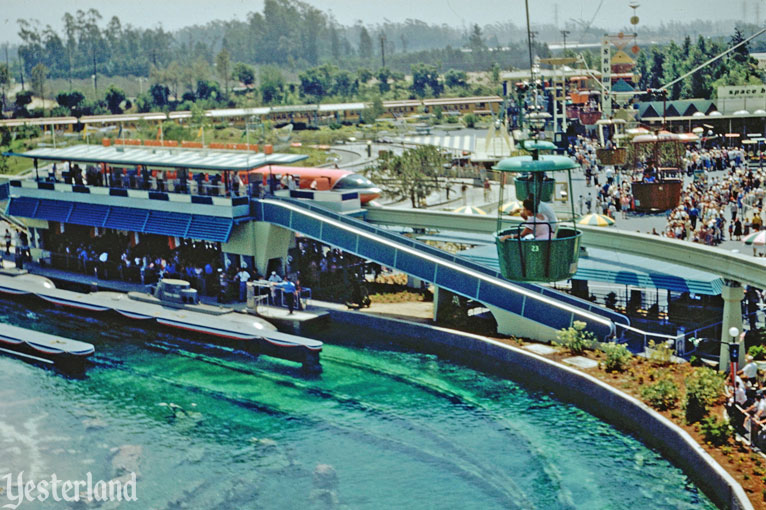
564, 34
95, 74
383, 49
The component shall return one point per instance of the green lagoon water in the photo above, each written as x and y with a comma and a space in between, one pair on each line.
401, 430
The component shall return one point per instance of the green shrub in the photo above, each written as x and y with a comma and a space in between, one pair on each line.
617, 356
470, 120
704, 387
575, 338
659, 353
715, 431
661, 395
757, 352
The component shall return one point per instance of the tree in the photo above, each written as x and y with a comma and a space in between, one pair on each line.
208, 89
5, 80
364, 74
114, 98
384, 74
23, 98
38, 76
414, 174
344, 84
373, 111
244, 74
334, 43
741, 55
159, 94
272, 84
425, 78
455, 79
475, 41
365, 44
223, 67
72, 101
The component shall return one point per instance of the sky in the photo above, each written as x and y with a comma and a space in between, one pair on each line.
175, 14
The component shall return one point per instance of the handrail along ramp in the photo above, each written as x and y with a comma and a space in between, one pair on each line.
451, 272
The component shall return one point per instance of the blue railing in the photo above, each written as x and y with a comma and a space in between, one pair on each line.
451, 272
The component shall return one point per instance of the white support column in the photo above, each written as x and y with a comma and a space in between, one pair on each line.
732, 294
606, 77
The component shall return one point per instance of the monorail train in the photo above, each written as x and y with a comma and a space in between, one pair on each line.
321, 179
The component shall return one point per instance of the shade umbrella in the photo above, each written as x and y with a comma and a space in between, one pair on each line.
755, 239
598, 220
514, 208
470, 209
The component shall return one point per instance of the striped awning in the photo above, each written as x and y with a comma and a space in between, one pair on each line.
599, 265
183, 225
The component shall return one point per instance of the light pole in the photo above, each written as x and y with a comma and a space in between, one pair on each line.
733, 354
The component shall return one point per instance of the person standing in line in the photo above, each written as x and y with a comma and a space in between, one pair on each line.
288, 291
243, 277
8, 238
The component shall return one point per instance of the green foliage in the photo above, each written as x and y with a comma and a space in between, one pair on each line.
575, 338
114, 98
37, 78
71, 100
425, 80
413, 174
659, 353
365, 44
704, 387
244, 73
272, 84
455, 79
662, 394
374, 111
222, 67
159, 95
23, 99
757, 352
716, 432
470, 120
617, 356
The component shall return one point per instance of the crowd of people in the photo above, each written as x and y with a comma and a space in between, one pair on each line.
725, 199
115, 255
746, 405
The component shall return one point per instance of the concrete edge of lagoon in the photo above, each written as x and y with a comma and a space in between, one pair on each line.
571, 385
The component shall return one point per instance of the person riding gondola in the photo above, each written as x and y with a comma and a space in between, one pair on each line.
537, 228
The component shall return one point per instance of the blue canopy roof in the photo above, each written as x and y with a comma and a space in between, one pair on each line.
600, 265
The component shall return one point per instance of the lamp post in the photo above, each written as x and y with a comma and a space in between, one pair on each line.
733, 354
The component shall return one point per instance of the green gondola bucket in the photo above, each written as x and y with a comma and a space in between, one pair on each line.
555, 256
534, 185
538, 260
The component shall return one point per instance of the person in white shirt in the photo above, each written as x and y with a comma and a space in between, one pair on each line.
749, 372
243, 276
546, 210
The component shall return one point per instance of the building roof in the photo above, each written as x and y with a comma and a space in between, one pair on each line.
622, 86
171, 157
600, 265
